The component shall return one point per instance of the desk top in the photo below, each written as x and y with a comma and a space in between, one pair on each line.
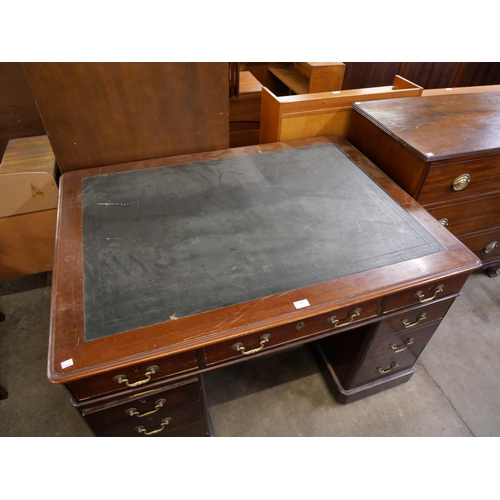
170, 255
176, 241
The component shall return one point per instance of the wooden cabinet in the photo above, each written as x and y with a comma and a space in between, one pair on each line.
28, 207
444, 150
256, 250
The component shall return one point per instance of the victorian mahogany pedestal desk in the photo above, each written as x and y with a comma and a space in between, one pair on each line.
166, 269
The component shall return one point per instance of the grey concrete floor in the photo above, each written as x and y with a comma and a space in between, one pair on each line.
454, 391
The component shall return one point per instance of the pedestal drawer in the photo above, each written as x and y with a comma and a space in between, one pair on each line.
393, 353
248, 345
413, 318
133, 376
165, 408
163, 422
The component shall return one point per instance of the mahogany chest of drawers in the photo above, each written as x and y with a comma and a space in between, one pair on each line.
166, 269
445, 152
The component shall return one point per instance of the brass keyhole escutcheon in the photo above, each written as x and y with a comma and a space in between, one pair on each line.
461, 182
300, 325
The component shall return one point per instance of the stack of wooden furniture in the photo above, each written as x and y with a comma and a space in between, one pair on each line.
444, 150
305, 77
28, 207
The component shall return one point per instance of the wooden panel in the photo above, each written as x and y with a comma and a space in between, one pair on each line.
431, 74
19, 115
461, 90
106, 113
27, 243
477, 73
388, 154
323, 113
369, 74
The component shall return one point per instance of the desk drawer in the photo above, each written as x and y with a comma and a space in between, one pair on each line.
248, 345
470, 216
141, 405
424, 294
140, 374
412, 318
470, 177
393, 353
163, 421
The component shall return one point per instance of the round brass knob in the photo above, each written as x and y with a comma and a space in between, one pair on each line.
491, 246
444, 221
461, 182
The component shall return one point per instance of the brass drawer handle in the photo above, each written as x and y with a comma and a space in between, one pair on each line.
142, 430
241, 348
383, 371
132, 412
420, 296
402, 347
122, 379
335, 321
444, 222
420, 318
461, 182
491, 246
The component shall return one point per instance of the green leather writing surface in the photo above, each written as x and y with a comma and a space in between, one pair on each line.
177, 241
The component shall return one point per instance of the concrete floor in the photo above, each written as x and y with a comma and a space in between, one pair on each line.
454, 391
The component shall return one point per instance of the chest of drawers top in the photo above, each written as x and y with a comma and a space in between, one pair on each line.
439, 128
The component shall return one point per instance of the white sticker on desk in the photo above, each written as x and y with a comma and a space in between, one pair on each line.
301, 303
67, 363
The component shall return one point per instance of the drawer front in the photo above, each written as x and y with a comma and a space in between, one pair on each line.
393, 353
162, 422
425, 294
470, 216
413, 318
141, 405
401, 345
248, 345
458, 180
486, 246
139, 375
